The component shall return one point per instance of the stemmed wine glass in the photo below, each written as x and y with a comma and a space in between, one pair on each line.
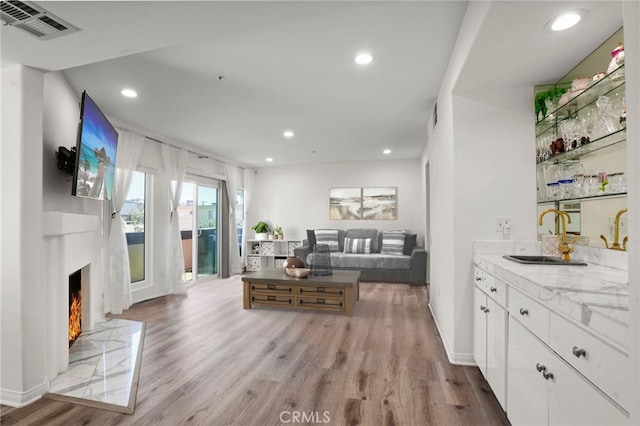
578, 177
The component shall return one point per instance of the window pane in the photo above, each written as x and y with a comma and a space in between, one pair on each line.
133, 214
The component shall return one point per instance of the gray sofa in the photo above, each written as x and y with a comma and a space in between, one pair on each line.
409, 266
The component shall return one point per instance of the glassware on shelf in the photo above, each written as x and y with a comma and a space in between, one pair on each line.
566, 188
602, 180
553, 190
617, 182
591, 182
578, 178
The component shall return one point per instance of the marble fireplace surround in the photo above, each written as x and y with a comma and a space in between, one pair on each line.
72, 242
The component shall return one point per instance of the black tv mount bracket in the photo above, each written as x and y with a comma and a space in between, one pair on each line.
66, 159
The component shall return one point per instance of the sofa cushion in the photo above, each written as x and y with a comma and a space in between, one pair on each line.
393, 242
311, 238
328, 237
410, 242
357, 245
365, 233
370, 261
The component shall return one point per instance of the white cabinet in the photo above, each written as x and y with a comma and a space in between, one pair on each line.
544, 389
490, 332
261, 254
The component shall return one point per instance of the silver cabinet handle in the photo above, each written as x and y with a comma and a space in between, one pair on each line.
547, 376
478, 279
540, 368
483, 309
493, 289
578, 352
524, 311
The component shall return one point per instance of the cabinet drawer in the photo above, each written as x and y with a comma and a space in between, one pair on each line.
497, 290
606, 367
321, 291
275, 300
256, 287
321, 302
530, 313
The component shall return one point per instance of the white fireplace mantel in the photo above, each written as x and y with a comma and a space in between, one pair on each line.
61, 223
72, 242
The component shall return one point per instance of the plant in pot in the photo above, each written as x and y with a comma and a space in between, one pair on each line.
277, 231
262, 230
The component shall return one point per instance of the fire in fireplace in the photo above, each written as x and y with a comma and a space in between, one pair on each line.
75, 306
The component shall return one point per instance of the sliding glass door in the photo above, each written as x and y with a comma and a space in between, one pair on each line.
199, 214
207, 231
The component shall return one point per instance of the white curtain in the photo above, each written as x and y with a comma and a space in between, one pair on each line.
248, 187
175, 165
231, 174
119, 285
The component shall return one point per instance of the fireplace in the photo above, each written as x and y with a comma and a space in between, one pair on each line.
73, 243
75, 306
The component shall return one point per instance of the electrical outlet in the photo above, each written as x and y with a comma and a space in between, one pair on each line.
503, 224
506, 227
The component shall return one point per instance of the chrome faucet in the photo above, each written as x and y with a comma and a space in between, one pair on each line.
616, 234
563, 246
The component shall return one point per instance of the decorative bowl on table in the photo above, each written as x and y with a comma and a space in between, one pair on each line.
298, 272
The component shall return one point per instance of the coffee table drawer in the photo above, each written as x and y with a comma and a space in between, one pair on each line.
274, 300
256, 287
319, 291
321, 302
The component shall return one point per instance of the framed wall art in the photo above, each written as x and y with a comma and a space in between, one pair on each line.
377, 203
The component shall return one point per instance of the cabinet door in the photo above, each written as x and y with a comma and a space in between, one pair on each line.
497, 350
574, 401
527, 390
480, 330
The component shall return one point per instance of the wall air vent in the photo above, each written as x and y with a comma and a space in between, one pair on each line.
33, 19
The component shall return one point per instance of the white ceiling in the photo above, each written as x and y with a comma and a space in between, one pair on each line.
289, 65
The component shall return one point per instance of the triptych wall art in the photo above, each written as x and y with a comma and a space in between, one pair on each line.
362, 203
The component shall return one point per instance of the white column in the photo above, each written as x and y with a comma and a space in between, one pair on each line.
22, 375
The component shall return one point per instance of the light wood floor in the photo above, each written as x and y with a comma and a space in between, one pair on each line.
207, 361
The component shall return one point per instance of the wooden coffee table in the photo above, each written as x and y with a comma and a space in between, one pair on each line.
337, 292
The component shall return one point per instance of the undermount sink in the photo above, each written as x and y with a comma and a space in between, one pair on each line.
543, 260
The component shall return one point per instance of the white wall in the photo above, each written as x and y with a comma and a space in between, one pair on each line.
481, 167
22, 375
297, 197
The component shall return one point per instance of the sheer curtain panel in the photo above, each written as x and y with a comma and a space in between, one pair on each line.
119, 285
175, 165
248, 178
231, 174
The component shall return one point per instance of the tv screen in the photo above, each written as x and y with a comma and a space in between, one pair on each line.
96, 153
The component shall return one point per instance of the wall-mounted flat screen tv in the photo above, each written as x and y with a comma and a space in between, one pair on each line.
96, 153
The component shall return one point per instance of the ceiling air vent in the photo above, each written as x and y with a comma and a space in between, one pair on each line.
34, 20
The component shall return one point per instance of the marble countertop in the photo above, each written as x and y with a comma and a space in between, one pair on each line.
595, 296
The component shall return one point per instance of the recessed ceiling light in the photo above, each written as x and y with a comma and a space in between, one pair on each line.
269, 159
288, 134
386, 152
363, 58
129, 93
566, 20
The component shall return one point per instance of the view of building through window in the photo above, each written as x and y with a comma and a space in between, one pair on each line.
132, 212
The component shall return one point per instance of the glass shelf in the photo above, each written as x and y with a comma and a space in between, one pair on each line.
608, 143
610, 83
583, 198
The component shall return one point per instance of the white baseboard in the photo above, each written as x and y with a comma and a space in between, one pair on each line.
453, 357
20, 399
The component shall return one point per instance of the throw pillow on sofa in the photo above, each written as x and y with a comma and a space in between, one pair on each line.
328, 237
357, 245
393, 242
